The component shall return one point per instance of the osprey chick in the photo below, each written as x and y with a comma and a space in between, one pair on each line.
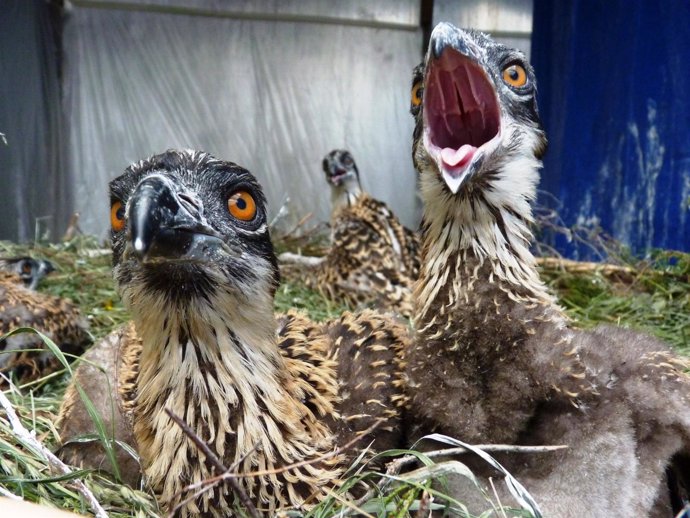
25, 354
495, 359
28, 269
194, 263
373, 258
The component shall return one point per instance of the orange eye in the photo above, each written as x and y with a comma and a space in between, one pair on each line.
117, 216
242, 206
26, 268
417, 94
515, 75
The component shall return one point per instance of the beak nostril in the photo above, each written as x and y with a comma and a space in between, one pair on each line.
191, 203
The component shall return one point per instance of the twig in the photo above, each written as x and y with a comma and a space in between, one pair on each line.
425, 501
282, 211
215, 461
205, 485
509, 448
571, 266
301, 222
498, 499
307, 462
72, 228
300, 238
228, 474
393, 468
302, 260
398, 464
53, 461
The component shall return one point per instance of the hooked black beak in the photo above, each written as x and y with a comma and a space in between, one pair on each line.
446, 35
47, 266
165, 224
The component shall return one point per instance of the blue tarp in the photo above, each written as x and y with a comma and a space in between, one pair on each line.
614, 95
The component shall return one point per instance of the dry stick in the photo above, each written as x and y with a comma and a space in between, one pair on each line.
585, 267
215, 461
301, 222
498, 499
205, 485
508, 448
289, 237
627, 273
53, 461
425, 501
328, 455
393, 468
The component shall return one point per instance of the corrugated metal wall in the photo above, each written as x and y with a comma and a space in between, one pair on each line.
275, 84
35, 195
270, 85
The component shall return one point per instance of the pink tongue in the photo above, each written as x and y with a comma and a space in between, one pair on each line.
460, 157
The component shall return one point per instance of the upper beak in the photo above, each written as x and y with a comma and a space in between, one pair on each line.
167, 224
47, 267
446, 35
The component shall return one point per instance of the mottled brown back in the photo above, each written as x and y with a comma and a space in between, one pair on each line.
55, 317
373, 260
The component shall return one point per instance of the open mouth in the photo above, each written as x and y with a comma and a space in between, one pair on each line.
337, 178
461, 114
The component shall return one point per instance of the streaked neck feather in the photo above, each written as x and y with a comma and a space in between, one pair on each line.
345, 195
216, 365
479, 227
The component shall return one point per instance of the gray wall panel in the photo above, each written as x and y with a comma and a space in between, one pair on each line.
272, 96
36, 194
402, 12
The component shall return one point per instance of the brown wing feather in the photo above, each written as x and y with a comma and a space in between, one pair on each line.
364, 351
346, 371
369, 349
373, 258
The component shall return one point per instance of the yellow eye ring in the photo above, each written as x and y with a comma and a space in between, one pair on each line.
417, 94
242, 206
117, 216
515, 75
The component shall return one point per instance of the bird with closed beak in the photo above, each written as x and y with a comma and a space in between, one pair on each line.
28, 269
276, 398
24, 356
